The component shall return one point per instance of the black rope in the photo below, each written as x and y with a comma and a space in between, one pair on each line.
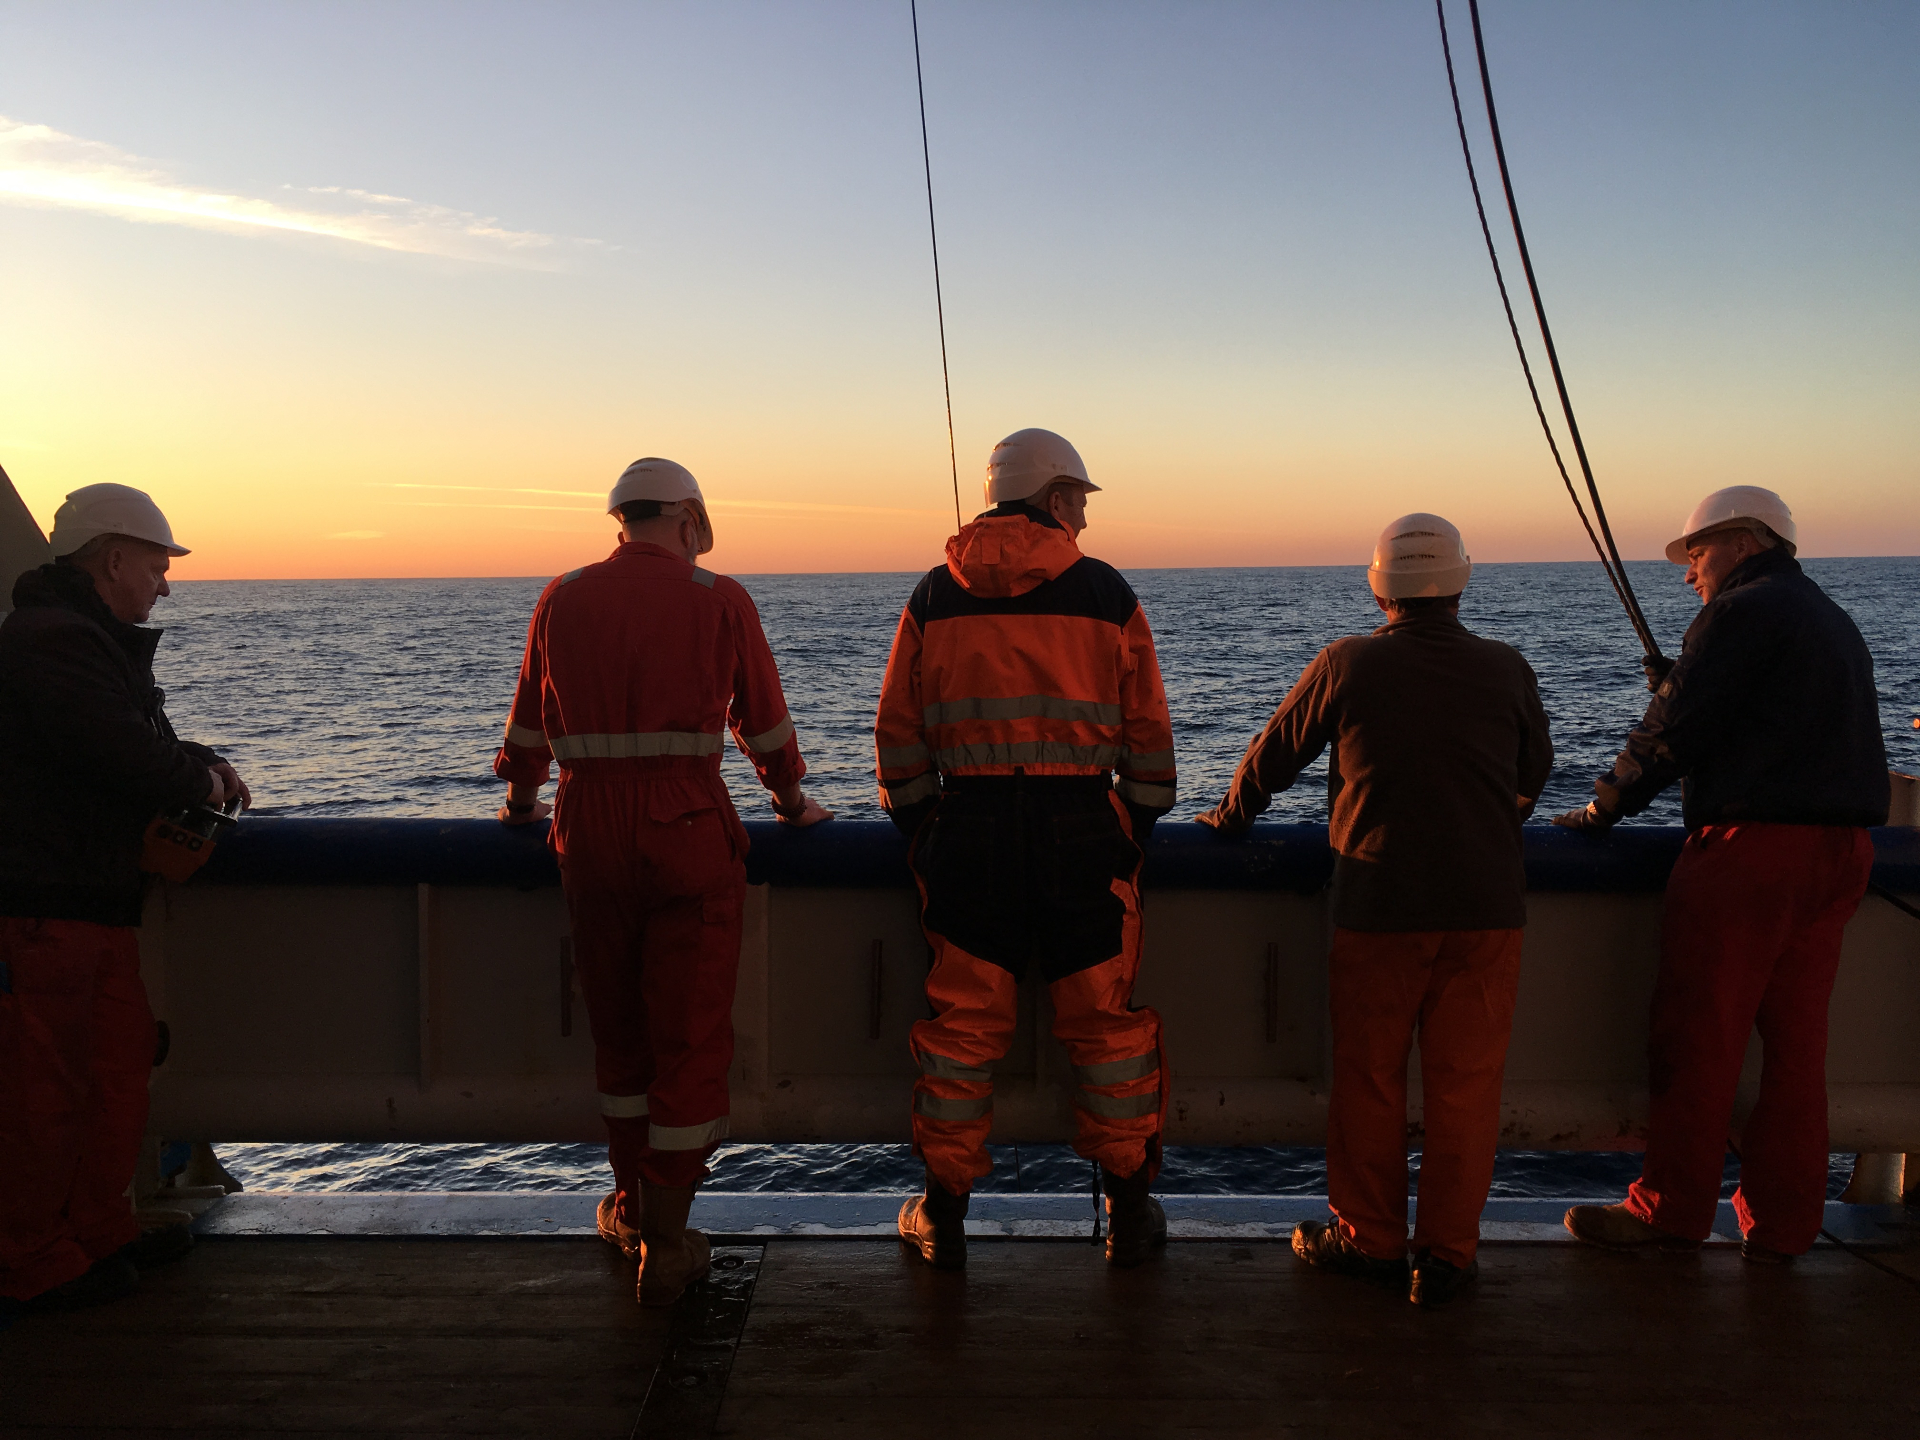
1513, 325
1868, 1259
933, 233
1617, 572
1894, 900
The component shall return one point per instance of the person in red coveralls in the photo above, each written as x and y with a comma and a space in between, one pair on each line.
1770, 721
1023, 675
635, 669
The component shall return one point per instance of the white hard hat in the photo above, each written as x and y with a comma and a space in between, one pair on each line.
1725, 508
1027, 461
1419, 555
672, 485
108, 509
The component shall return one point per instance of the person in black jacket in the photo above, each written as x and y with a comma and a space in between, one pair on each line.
84, 731
1770, 721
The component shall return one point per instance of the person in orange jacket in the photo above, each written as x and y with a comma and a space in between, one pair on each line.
1440, 749
635, 668
1022, 676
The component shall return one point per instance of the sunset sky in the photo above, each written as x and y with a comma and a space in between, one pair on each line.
376, 289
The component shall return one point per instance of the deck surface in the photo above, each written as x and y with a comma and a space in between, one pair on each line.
850, 1338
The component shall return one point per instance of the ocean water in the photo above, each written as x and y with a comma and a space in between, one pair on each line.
388, 697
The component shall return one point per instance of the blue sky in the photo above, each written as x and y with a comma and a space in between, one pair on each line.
1228, 249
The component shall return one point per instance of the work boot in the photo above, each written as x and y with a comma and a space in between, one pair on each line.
672, 1257
159, 1246
613, 1229
935, 1224
110, 1278
1760, 1255
1614, 1227
1436, 1281
1323, 1246
1136, 1223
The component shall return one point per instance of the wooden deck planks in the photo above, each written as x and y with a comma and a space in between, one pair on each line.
852, 1338
1221, 1340
346, 1337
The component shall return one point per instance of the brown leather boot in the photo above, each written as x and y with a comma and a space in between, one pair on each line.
672, 1257
613, 1229
935, 1224
1614, 1227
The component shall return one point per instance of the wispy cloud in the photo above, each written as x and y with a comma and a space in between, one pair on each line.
42, 166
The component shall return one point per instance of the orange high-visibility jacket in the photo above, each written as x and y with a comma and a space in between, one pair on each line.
1022, 653
642, 663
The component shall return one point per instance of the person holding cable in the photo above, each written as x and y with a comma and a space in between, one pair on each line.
82, 722
635, 670
1770, 721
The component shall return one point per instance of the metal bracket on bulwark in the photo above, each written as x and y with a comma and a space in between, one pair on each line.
683, 1401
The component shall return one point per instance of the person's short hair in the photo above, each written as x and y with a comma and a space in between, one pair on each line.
1424, 604
1044, 500
635, 511
100, 544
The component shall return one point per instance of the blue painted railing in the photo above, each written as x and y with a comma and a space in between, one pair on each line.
871, 854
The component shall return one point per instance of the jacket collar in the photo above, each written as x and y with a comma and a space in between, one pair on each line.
1773, 561
68, 587
1423, 618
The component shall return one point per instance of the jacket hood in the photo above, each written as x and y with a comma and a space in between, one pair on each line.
1010, 550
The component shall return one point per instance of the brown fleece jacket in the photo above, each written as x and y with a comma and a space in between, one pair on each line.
1440, 748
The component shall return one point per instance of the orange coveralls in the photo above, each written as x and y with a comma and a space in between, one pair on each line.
1022, 674
635, 668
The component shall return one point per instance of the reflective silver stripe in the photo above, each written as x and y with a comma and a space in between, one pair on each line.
774, 738
571, 576
1115, 1072
706, 578
687, 1137
1032, 752
520, 735
1118, 1107
892, 757
1021, 707
628, 747
947, 1069
1154, 797
934, 1108
910, 792
1152, 760
622, 1107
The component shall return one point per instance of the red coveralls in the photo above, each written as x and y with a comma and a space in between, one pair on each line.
1024, 673
635, 668
77, 1040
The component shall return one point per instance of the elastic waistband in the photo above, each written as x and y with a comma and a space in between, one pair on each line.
642, 767
1030, 784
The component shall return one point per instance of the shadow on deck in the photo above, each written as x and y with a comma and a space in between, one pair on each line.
850, 1338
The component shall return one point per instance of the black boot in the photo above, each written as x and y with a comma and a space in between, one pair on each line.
1135, 1222
1436, 1281
936, 1225
1323, 1246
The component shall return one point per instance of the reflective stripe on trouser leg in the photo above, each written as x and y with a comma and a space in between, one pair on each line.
656, 940
974, 1006
1118, 1054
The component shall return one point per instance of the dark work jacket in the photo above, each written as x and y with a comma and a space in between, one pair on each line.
86, 753
1769, 714
1440, 748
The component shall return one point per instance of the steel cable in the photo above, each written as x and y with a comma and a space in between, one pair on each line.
933, 233
1609, 554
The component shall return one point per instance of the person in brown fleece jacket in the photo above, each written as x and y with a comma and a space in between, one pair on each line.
1440, 748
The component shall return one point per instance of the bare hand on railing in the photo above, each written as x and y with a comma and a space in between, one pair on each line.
791, 806
524, 806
